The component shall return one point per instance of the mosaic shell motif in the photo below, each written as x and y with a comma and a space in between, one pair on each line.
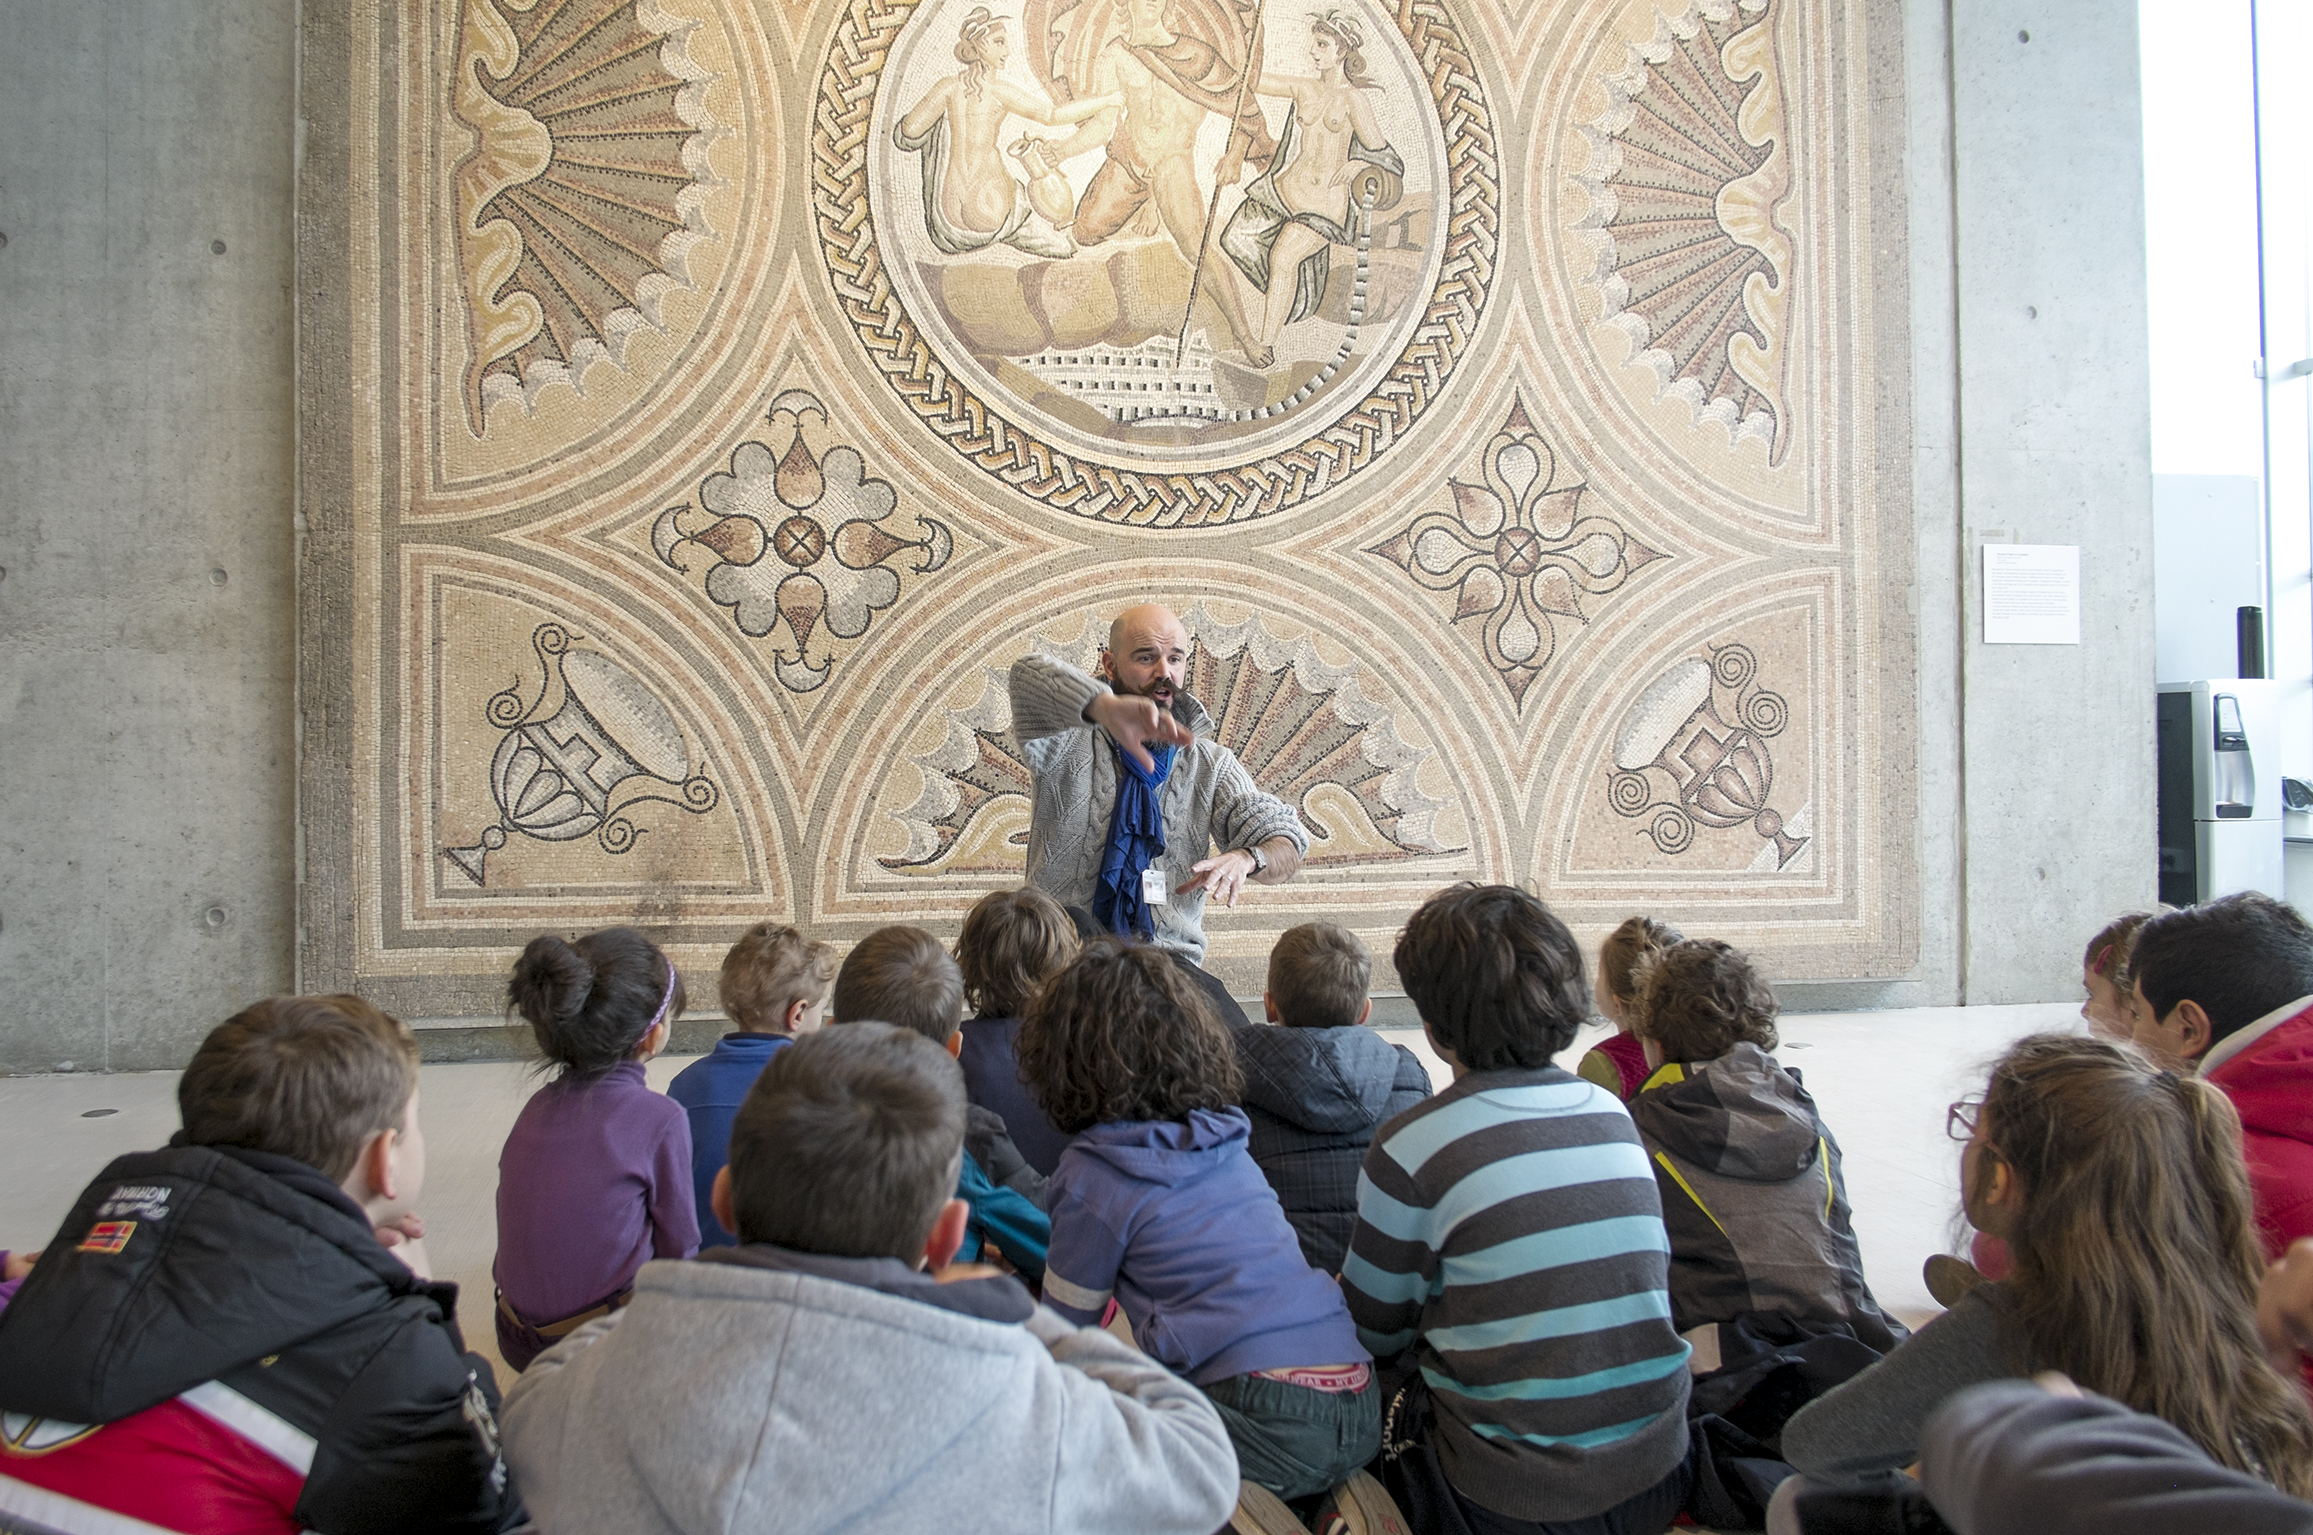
1687, 178
579, 200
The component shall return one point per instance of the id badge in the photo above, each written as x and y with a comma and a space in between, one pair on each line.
1153, 889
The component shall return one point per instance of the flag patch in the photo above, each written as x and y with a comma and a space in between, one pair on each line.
108, 1236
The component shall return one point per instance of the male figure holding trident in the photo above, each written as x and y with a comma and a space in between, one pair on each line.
1173, 62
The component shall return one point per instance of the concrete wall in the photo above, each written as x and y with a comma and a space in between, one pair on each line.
146, 716
147, 772
2031, 425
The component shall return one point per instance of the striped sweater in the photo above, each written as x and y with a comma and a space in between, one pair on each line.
1509, 1233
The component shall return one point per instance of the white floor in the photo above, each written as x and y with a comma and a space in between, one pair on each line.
1882, 1081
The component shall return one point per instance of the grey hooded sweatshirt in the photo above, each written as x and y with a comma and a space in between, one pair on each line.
1752, 1198
758, 1389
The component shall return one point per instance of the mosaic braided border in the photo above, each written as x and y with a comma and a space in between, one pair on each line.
1115, 493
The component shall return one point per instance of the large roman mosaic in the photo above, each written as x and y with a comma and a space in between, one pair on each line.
705, 401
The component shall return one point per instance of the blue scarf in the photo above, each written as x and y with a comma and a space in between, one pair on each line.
1136, 836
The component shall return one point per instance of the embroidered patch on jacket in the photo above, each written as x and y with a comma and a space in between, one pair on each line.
146, 1201
107, 1236
22, 1434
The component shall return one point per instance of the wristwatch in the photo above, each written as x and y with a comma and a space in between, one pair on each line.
1260, 860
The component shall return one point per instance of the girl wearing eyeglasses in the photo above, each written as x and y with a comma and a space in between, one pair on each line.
2119, 1189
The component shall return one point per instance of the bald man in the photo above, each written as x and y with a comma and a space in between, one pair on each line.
1140, 817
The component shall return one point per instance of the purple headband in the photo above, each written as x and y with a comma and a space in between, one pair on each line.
665, 1002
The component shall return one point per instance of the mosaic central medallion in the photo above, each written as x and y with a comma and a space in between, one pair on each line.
1169, 262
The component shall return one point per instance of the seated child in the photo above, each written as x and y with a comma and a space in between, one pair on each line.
814, 1378
2041, 1457
1013, 941
222, 1310
1317, 1088
2225, 990
2104, 975
1510, 1243
1618, 1062
774, 986
1752, 1193
2119, 1187
1157, 1203
595, 1178
900, 975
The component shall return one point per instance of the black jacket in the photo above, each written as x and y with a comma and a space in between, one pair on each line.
257, 1272
1753, 1198
1315, 1097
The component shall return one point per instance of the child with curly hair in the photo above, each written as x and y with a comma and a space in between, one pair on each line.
1158, 1203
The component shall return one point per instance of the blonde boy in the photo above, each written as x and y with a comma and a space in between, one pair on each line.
775, 985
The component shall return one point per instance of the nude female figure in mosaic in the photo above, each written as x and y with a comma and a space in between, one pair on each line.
1281, 235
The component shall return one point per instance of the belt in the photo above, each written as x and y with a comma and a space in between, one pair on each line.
568, 1324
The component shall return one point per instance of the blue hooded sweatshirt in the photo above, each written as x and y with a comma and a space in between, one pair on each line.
1176, 1221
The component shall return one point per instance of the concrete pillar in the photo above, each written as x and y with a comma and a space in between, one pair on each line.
147, 711
2053, 446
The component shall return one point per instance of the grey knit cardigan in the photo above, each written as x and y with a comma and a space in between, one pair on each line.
1209, 800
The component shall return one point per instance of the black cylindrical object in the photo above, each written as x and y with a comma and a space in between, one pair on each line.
2249, 627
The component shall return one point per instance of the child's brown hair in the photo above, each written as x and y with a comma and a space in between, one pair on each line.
2136, 1247
1495, 975
1122, 1034
311, 1078
1618, 957
900, 975
848, 1144
1318, 975
768, 970
2109, 951
1013, 941
1700, 998
591, 1001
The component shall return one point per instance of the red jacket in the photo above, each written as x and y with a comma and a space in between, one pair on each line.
2267, 1070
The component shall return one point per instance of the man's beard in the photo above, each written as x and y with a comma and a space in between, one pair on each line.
1160, 692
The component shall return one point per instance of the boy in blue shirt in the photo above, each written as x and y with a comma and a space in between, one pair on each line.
774, 987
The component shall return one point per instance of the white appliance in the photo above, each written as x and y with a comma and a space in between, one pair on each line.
2220, 789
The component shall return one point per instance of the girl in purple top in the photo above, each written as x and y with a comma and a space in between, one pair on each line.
595, 1180
13, 1269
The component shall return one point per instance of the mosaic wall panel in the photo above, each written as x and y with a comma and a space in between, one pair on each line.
705, 401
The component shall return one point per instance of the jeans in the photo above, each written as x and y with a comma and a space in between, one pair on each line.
1647, 1513
1296, 1440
